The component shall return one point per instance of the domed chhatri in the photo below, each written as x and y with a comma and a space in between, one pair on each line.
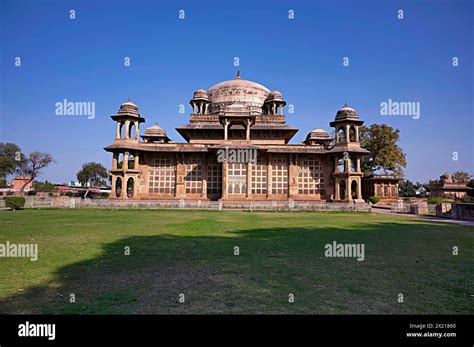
346, 112
128, 107
275, 95
318, 137
242, 115
155, 133
200, 94
319, 134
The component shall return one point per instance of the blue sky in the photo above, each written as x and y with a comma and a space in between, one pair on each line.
83, 60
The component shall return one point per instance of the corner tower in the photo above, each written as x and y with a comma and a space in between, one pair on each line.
347, 153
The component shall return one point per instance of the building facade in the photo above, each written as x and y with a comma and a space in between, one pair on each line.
236, 148
445, 187
382, 186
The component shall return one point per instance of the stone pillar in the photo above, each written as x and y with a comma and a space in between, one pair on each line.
356, 133
134, 188
137, 130
127, 129
247, 137
281, 110
358, 164
136, 160
123, 194
226, 125
194, 107
204, 176
125, 161
347, 133
337, 195
114, 161
359, 189
180, 190
113, 190
347, 165
349, 189
117, 134
336, 162
269, 175
224, 179
293, 172
249, 179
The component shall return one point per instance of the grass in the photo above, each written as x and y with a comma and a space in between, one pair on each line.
82, 252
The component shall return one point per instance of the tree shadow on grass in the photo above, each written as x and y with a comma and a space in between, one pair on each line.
272, 264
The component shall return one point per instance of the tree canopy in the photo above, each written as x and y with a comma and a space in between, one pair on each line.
31, 166
93, 173
461, 176
385, 155
10, 157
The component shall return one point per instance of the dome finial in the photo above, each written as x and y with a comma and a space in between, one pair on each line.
345, 104
238, 73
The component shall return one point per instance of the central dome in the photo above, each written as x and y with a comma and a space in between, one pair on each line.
238, 91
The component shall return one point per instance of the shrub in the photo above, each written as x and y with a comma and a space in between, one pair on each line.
374, 199
15, 202
436, 200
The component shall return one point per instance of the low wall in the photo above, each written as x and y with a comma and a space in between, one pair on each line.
289, 205
463, 211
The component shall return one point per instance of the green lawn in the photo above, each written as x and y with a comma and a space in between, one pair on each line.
192, 252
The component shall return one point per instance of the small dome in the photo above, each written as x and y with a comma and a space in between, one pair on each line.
200, 94
128, 107
155, 133
346, 113
318, 134
275, 95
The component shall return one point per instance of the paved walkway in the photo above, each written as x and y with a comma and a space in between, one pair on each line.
427, 218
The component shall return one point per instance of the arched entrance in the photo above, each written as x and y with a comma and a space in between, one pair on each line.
342, 190
130, 187
354, 190
118, 187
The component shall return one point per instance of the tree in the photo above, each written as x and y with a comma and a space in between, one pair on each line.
44, 187
10, 157
461, 176
407, 188
94, 173
385, 154
31, 166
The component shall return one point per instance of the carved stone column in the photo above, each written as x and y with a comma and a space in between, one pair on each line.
180, 190
117, 134
114, 161
127, 129
113, 191
293, 172
204, 176
125, 161
136, 160
123, 192
226, 125
249, 179
224, 179
269, 176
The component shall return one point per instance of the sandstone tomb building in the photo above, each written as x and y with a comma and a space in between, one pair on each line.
237, 116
